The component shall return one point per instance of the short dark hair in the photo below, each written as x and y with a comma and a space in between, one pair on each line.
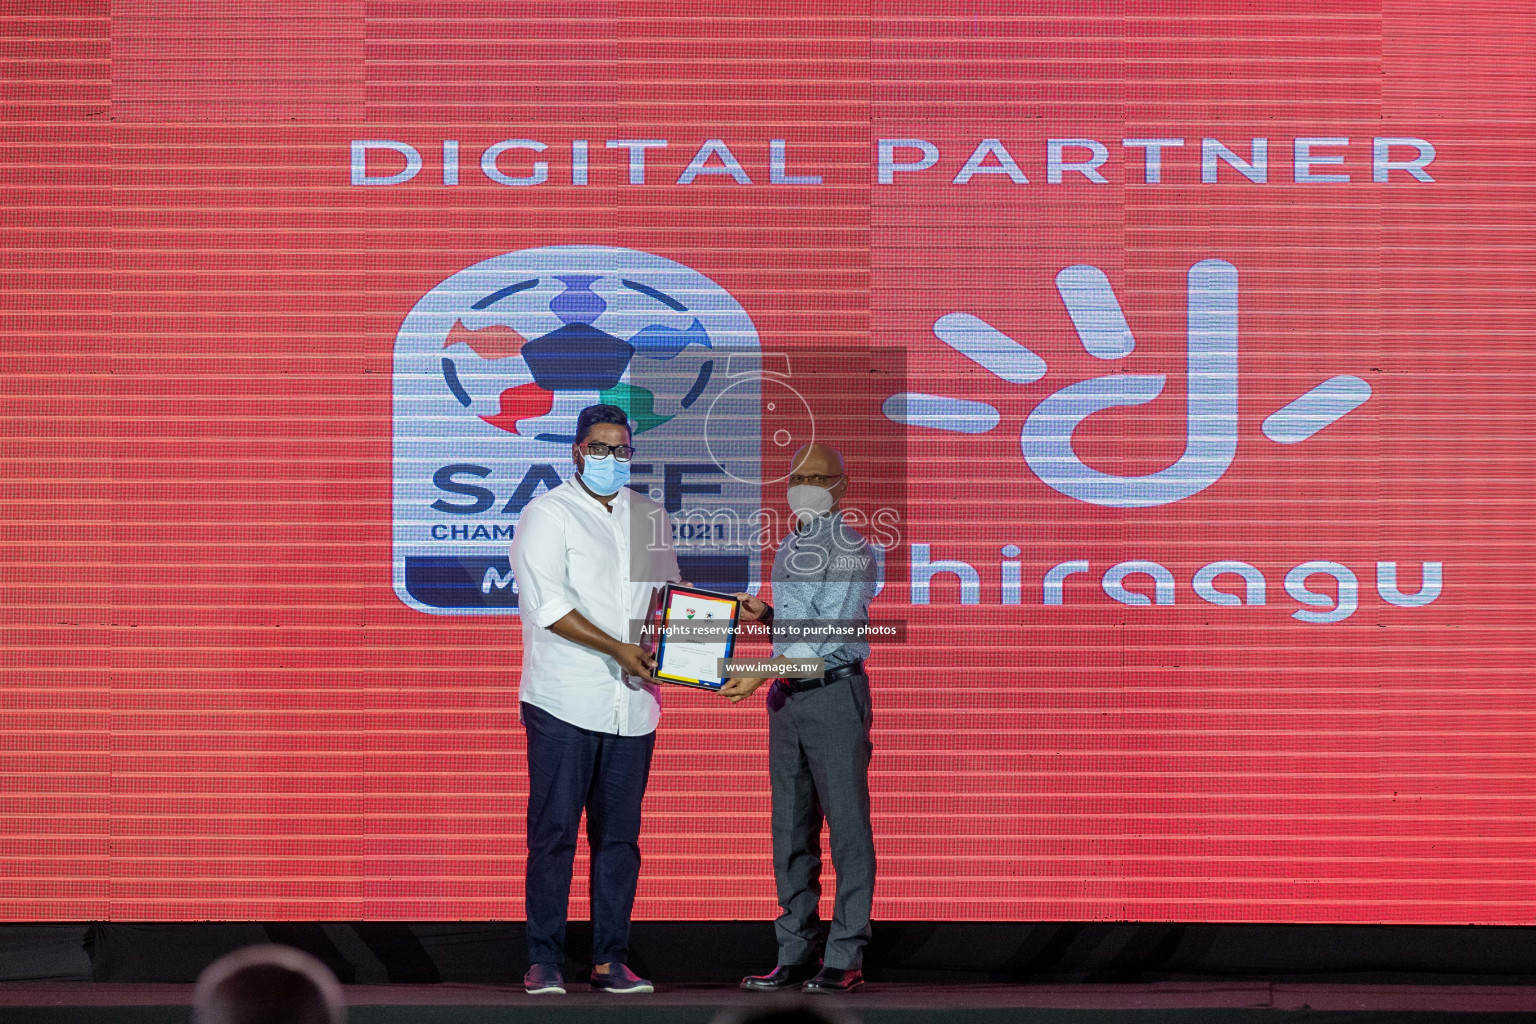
592, 415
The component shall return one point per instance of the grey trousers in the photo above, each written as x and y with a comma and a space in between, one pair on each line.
818, 757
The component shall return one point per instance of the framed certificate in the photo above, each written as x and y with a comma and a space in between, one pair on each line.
697, 629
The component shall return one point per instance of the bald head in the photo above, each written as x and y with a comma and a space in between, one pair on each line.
817, 460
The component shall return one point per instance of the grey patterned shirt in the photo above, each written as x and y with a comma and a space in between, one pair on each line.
824, 573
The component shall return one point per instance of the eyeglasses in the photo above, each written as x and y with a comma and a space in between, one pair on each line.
796, 479
598, 450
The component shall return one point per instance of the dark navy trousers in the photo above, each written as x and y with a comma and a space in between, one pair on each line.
571, 769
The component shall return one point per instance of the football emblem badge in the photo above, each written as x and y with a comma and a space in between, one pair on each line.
491, 368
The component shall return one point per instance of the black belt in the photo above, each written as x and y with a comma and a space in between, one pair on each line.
800, 684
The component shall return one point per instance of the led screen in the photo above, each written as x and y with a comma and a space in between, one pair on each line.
1181, 354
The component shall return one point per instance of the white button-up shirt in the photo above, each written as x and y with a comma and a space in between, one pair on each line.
570, 553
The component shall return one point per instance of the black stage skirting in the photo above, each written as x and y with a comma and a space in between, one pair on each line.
716, 952
885, 1003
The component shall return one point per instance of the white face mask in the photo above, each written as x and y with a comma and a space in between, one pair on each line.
808, 501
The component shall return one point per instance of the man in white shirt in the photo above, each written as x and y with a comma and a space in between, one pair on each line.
585, 557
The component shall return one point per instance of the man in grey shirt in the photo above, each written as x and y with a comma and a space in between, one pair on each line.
818, 730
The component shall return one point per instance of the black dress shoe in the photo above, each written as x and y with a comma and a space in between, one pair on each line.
834, 979
780, 978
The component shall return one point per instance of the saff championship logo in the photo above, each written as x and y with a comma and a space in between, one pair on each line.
492, 367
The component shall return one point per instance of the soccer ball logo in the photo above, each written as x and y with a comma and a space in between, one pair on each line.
529, 354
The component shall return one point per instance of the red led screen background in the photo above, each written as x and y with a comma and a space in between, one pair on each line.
216, 707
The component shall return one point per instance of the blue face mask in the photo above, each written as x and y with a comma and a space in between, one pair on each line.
605, 475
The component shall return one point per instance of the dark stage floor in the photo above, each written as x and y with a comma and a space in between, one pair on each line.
1163, 1003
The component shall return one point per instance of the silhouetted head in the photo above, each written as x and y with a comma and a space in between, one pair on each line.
268, 985
785, 1013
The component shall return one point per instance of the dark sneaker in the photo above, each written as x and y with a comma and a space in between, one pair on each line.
621, 981
782, 977
833, 979
544, 980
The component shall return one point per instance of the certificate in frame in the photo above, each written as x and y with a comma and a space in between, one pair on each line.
693, 660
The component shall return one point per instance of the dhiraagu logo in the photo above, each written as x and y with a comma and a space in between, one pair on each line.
1211, 430
491, 368
1211, 403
